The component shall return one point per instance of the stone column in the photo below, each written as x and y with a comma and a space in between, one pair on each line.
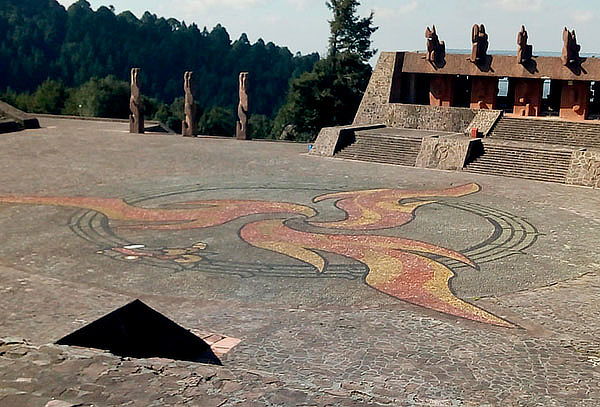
528, 97
136, 118
241, 131
441, 90
484, 92
575, 100
188, 126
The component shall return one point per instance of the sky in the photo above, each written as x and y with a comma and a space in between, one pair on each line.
302, 25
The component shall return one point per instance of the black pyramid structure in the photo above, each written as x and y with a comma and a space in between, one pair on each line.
136, 330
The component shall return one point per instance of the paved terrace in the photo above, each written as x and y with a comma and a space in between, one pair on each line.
437, 289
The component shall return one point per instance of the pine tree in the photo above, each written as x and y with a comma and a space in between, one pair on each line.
349, 32
330, 94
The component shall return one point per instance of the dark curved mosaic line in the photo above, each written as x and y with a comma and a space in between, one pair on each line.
511, 236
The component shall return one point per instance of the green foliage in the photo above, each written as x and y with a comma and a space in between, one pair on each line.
330, 94
106, 97
49, 97
260, 126
217, 121
39, 39
327, 96
350, 34
171, 115
20, 101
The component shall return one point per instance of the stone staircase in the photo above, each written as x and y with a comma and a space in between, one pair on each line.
536, 149
547, 131
522, 160
386, 149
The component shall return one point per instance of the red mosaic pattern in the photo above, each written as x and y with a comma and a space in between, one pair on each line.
394, 268
397, 267
195, 215
383, 208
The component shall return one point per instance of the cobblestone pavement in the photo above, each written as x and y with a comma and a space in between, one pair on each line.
305, 341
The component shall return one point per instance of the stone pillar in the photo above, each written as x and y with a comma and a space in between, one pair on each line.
241, 131
136, 118
484, 92
575, 100
188, 126
441, 90
528, 96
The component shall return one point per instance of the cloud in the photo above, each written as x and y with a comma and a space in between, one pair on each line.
390, 13
298, 4
517, 5
583, 16
195, 6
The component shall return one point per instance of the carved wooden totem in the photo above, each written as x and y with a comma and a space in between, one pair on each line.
241, 131
136, 118
525, 51
188, 126
479, 39
570, 51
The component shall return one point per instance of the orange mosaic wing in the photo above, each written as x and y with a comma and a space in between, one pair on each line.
382, 208
394, 268
204, 214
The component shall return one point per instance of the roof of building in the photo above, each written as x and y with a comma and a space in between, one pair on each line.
503, 66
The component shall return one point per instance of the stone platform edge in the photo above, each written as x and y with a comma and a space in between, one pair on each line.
25, 120
150, 123
332, 139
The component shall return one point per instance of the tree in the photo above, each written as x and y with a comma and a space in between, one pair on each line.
327, 96
49, 97
330, 94
217, 122
106, 97
40, 40
260, 126
350, 33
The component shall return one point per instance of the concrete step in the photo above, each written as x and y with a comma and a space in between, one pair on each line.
547, 131
397, 150
534, 177
522, 160
504, 169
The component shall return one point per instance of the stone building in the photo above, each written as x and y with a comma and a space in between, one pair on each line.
422, 109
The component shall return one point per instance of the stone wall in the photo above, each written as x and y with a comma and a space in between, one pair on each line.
585, 168
379, 91
377, 107
445, 152
438, 118
451, 119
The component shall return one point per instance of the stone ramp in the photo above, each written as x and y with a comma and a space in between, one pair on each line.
549, 131
387, 145
535, 161
13, 119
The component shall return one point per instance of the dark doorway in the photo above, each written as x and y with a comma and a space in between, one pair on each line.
551, 106
462, 91
415, 89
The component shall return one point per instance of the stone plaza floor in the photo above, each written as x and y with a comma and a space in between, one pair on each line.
346, 283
